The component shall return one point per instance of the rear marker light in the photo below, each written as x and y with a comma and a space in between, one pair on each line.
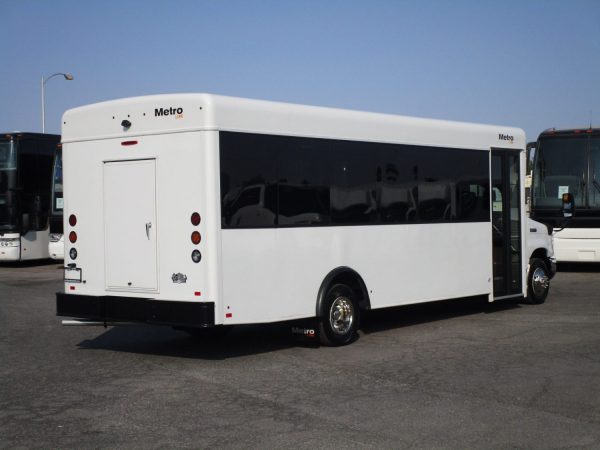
228, 316
195, 219
129, 143
72, 288
73, 237
196, 238
72, 220
196, 256
73, 253
197, 294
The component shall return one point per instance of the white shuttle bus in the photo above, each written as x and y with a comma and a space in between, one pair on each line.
197, 210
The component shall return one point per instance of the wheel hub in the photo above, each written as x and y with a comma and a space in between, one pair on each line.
539, 281
341, 315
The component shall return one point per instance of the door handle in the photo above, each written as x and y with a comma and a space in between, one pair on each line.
148, 226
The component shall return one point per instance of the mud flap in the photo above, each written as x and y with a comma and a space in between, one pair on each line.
305, 330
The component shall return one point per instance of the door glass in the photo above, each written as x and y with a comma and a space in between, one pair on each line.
506, 222
498, 231
515, 222
594, 184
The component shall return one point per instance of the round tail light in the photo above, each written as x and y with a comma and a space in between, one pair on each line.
195, 219
72, 220
196, 256
196, 238
73, 237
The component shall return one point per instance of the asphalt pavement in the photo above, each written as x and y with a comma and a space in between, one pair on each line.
460, 374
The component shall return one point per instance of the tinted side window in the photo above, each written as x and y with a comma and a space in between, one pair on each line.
397, 183
472, 187
353, 182
453, 185
248, 181
284, 181
304, 168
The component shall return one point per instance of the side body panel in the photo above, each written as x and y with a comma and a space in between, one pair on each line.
278, 275
577, 244
34, 245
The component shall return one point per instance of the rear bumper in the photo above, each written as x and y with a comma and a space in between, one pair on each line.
130, 309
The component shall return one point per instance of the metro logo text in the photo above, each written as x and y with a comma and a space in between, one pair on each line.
506, 137
160, 112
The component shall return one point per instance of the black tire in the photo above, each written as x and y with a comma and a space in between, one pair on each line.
538, 282
340, 316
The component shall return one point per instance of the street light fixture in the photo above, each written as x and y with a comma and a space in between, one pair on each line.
68, 77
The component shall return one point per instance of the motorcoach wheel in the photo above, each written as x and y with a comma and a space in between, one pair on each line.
538, 282
340, 315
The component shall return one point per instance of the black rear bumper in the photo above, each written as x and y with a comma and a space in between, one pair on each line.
130, 309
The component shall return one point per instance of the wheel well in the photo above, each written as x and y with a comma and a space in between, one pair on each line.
539, 253
349, 277
542, 254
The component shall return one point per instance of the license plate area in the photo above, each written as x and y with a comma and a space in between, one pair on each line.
72, 275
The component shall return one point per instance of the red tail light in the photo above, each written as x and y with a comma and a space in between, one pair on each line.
196, 238
73, 237
72, 220
195, 219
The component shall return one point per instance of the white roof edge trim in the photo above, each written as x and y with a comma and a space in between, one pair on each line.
132, 136
194, 130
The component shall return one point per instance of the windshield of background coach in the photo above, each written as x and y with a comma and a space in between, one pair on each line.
57, 184
561, 166
8, 179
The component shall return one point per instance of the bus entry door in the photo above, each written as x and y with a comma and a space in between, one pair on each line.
130, 231
506, 223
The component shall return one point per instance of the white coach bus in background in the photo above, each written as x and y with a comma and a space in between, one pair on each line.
25, 173
568, 161
196, 210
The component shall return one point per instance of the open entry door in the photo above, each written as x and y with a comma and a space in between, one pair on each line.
130, 229
506, 222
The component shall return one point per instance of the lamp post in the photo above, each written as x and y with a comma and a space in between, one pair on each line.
67, 76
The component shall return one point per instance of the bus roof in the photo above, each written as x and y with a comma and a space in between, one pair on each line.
27, 134
553, 132
173, 113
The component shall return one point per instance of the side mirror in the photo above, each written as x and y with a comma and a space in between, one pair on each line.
568, 205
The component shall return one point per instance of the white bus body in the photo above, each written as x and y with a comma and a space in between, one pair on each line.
24, 247
135, 170
568, 161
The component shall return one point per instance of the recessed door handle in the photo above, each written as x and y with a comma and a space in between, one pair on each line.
148, 226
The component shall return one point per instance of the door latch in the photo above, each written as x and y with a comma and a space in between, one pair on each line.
148, 226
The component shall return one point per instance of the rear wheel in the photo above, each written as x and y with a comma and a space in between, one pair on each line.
538, 282
340, 316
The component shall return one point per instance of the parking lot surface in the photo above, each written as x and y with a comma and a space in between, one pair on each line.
460, 374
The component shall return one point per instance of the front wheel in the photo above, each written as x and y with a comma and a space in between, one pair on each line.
538, 282
340, 316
